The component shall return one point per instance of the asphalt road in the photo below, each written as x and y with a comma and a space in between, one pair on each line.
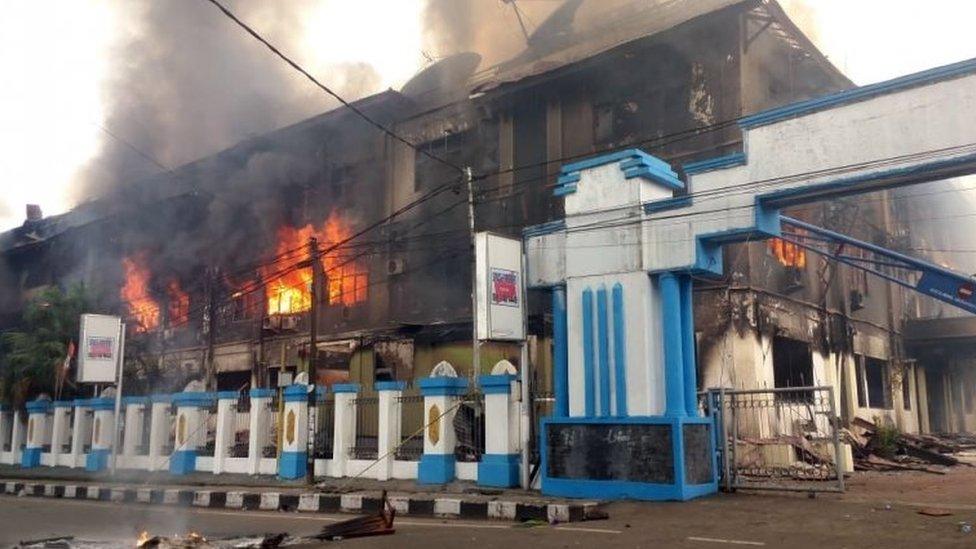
739, 520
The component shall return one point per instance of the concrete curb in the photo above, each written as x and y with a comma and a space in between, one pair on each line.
311, 502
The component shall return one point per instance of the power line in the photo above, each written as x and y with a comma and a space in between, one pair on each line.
328, 90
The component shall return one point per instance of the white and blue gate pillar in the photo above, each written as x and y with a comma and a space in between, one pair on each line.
499, 466
159, 429
344, 429
37, 430
60, 430
224, 432
260, 421
294, 440
103, 431
191, 431
80, 431
388, 425
135, 409
623, 332
441, 392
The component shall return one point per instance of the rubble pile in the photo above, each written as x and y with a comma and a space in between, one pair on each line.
884, 449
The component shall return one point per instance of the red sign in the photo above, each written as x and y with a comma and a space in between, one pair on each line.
100, 347
504, 287
966, 291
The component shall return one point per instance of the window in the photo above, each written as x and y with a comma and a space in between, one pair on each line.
792, 367
878, 383
862, 384
906, 387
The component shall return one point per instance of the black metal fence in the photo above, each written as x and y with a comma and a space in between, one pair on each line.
241, 409
322, 427
469, 427
543, 405
411, 426
366, 445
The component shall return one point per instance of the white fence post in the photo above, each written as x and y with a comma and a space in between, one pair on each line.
191, 430
259, 421
6, 424
344, 437
499, 466
135, 408
294, 440
389, 425
159, 428
18, 437
441, 392
224, 435
80, 432
103, 430
37, 430
59, 429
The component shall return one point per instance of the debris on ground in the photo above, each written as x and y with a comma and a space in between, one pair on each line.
885, 449
371, 525
934, 512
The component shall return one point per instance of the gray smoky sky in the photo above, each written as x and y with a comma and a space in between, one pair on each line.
185, 82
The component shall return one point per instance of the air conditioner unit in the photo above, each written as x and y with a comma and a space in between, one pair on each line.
395, 266
168, 334
271, 322
289, 322
857, 300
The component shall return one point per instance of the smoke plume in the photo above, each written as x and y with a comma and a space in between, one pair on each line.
186, 82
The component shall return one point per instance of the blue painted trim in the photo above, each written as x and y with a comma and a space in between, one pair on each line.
589, 369
666, 204
810, 106
228, 395
30, 457
613, 489
496, 384
82, 402
293, 465
345, 388
499, 470
58, 404
603, 349
633, 163
853, 185
101, 404
197, 399
262, 392
688, 345
544, 228
560, 352
97, 459
160, 398
443, 386
718, 163
671, 327
390, 385
619, 350
182, 462
435, 469
296, 393
38, 406
127, 400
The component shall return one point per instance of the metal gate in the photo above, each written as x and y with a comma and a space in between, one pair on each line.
777, 439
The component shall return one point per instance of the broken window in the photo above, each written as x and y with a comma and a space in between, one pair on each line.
430, 173
862, 396
906, 388
878, 383
792, 367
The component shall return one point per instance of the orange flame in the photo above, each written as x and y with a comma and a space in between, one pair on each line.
291, 292
179, 303
135, 292
787, 253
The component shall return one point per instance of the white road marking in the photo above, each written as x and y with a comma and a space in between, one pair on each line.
728, 541
433, 523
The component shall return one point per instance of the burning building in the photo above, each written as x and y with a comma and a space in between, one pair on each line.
215, 270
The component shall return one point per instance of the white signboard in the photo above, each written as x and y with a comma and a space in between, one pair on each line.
499, 284
98, 348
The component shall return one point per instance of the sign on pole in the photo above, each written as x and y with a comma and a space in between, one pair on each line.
498, 261
99, 348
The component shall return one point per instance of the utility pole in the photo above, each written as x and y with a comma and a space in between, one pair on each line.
475, 344
211, 321
315, 293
